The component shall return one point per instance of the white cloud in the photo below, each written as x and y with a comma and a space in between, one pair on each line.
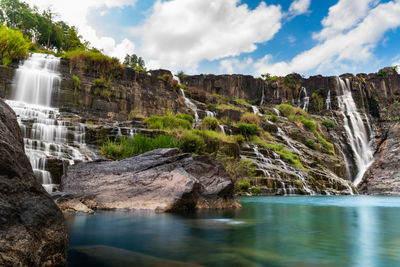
299, 7
234, 65
355, 45
181, 33
75, 12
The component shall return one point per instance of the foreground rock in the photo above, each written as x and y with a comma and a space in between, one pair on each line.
32, 230
383, 177
162, 179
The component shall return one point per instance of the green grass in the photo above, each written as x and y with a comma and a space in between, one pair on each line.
128, 147
241, 102
225, 106
13, 45
329, 124
169, 122
209, 123
248, 129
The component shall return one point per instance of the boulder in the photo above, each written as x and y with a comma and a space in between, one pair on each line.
32, 229
383, 177
161, 179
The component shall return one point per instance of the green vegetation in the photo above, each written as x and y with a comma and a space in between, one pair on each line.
329, 124
209, 123
166, 77
241, 102
311, 144
382, 73
76, 83
267, 77
289, 82
256, 190
13, 45
242, 186
40, 27
191, 143
248, 129
181, 75
225, 106
134, 62
169, 121
317, 100
128, 147
250, 118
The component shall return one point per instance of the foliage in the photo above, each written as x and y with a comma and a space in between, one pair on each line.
289, 82
40, 27
209, 123
310, 143
288, 110
181, 75
239, 139
256, 190
251, 118
166, 77
241, 102
225, 107
168, 122
76, 83
94, 62
191, 143
185, 116
382, 73
13, 45
329, 124
269, 78
134, 62
317, 100
248, 129
242, 186
128, 147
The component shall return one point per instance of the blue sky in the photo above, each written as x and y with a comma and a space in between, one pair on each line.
310, 37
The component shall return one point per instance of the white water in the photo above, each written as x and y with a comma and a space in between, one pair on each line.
210, 114
355, 129
277, 112
303, 101
265, 84
45, 136
256, 110
328, 101
191, 105
221, 127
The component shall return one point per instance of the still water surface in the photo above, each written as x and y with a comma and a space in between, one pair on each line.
267, 231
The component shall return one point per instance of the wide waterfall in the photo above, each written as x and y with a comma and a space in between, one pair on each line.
45, 135
355, 129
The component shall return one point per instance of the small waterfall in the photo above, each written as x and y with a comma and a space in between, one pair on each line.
328, 101
221, 127
277, 112
191, 105
45, 136
256, 110
210, 114
355, 129
303, 102
265, 84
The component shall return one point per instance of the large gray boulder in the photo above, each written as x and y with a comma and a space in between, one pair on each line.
383, 177
161, 179
32, 229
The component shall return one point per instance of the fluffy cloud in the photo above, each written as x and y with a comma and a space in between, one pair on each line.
299, 7
75, 12
234, 65
181, 33
346, 42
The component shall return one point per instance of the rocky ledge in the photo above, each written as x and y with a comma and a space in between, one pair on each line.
383, 177
161, 179
32, 229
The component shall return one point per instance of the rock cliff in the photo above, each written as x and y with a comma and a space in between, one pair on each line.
32, 230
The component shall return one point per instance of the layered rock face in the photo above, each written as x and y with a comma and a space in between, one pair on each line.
32, 230
162, 179
383, 177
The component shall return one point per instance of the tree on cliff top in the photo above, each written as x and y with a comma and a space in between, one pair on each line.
134, 62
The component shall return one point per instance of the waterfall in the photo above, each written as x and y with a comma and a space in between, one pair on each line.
210, 114
45, 135
355, 129
277, 112
328, 101
191, 105
303, 100
263, 93
256, 110
221, 127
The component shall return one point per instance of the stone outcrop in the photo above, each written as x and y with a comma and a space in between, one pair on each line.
383, 177
162, 179
32, 230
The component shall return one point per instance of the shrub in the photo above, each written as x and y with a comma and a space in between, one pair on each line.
76, 83
288, 110
13, 45
242, 186
191, 143
250, 118
209, 123
128, 147
382, 73
239, 139
166, 77
93, 62
168, 122
185, 116
309, 124
273, 118
329, 124
310, 143
248, 129
256, 190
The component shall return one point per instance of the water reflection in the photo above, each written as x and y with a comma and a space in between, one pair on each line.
283, 231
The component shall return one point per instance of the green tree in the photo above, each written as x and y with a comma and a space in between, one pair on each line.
134, 62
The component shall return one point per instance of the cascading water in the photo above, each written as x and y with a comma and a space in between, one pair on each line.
265, 84
191, 105
210, 114
303, 101
355, 129
328, 101
45, 136
256, 110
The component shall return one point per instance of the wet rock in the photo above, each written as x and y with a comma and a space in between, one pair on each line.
162, 179
383, 177
32, 229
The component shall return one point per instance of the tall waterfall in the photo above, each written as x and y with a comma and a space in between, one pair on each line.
304, 101
45, 135
355, 129
191, 105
